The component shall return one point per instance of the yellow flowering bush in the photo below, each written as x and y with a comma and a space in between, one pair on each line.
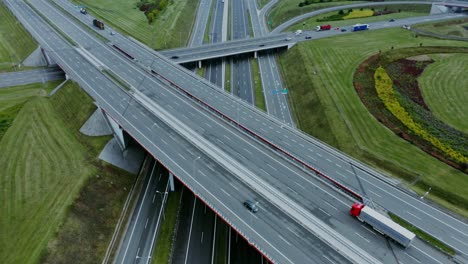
359, 13
384, 88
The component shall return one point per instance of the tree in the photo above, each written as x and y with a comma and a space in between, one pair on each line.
341, 12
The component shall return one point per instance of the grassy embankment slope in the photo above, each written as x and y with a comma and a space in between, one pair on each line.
319, 75
262, 3
170, 30
444, 86
43, 168
450, 28
46, 162
10, 36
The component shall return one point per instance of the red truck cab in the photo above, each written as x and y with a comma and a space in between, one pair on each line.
356, 209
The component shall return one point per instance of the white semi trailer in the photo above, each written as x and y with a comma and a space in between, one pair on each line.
382, 224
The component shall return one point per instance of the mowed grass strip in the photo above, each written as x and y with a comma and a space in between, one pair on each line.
171, 29
15, 42
444, 85
164, 242
328, 107
43, 167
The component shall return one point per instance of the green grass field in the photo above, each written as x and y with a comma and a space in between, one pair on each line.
262, 3
170, 30
319, 75
287, 9
45, 164
43, 169
15, 42
445, 89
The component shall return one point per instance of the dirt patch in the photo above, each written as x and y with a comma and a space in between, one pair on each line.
423, 57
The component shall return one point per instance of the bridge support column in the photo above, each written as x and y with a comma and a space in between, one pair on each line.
117, 131
199, 64
438, 9
255, 54
171, 181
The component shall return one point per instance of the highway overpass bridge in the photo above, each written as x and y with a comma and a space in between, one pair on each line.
226, 150
230, 48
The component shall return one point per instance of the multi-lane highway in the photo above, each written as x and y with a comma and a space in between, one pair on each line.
8, 79
334, 163
136, 118
393, 201
139, 240
157, 134
241, 76
276, 101
198, 31
218, 186
215, 70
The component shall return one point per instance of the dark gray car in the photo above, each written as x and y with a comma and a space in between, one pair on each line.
251, 206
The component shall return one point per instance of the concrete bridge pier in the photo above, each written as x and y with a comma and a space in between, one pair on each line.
199, 64
255, 54
171, 181
118, 132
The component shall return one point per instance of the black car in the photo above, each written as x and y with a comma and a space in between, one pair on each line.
174, 57
308, 37
251, 206
343, 30
392, 20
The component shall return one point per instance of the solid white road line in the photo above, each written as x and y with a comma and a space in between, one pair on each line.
190, 231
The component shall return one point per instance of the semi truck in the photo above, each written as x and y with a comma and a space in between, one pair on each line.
98, 24
323, 27
382, 224
359, 27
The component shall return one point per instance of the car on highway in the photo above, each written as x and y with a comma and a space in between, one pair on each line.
112, 33
392, 20
287, 39
343, 30
308, 37
174, 57
251, 206
261, 45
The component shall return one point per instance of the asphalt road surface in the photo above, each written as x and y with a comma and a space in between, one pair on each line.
140, 236
241, 72
275, 99
214, 68
8, 79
